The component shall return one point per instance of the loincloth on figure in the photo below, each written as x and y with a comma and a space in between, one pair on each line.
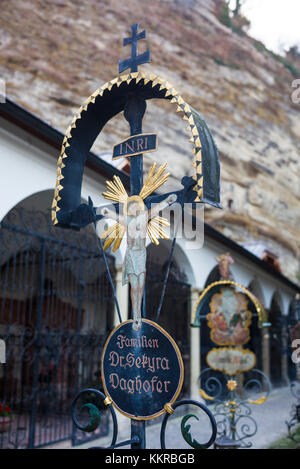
134, 263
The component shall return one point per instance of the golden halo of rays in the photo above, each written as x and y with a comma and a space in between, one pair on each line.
181, 107
117, 193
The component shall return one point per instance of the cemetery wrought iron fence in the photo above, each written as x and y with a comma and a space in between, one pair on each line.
55, 305
294, 419
230, 399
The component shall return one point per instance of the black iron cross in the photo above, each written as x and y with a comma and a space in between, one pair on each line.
135, 60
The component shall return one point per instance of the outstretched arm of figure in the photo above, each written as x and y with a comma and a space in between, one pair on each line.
83, 215
152, 212
111, 213
186, 194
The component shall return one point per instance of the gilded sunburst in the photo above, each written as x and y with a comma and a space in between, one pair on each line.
117, 193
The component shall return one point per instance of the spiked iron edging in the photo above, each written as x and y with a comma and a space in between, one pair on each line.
169, 93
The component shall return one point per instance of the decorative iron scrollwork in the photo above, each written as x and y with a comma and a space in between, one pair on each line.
94, 412
185, 428
231, 409
95, 418
295, 411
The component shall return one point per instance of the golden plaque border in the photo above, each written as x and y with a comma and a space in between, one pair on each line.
240, 349
157, 414
212, 328
175, 98
259, 308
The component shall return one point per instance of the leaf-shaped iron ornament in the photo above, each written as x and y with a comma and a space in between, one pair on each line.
95, 418
185, 431
185, 428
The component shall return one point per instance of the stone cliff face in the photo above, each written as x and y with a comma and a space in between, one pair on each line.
54, 54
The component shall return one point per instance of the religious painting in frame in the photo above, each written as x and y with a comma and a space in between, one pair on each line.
228, 308
229, 318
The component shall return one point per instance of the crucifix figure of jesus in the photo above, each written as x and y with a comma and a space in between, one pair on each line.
137, 221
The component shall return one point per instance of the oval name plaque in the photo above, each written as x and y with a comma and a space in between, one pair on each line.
141, 371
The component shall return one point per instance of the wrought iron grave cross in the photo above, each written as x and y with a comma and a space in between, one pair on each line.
129, 93
135, 60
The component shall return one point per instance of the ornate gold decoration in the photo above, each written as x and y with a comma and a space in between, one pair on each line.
117, 193
262, 315
154, 180
231, 384
113, 233
222, 332
107, 400
205, 396
181, 107
233, 368
168, 408
259, 401
155, 229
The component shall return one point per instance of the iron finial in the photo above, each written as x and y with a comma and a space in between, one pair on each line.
135, 60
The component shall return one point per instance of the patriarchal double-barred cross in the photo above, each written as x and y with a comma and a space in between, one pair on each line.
134, 215
135, 60
136, 220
